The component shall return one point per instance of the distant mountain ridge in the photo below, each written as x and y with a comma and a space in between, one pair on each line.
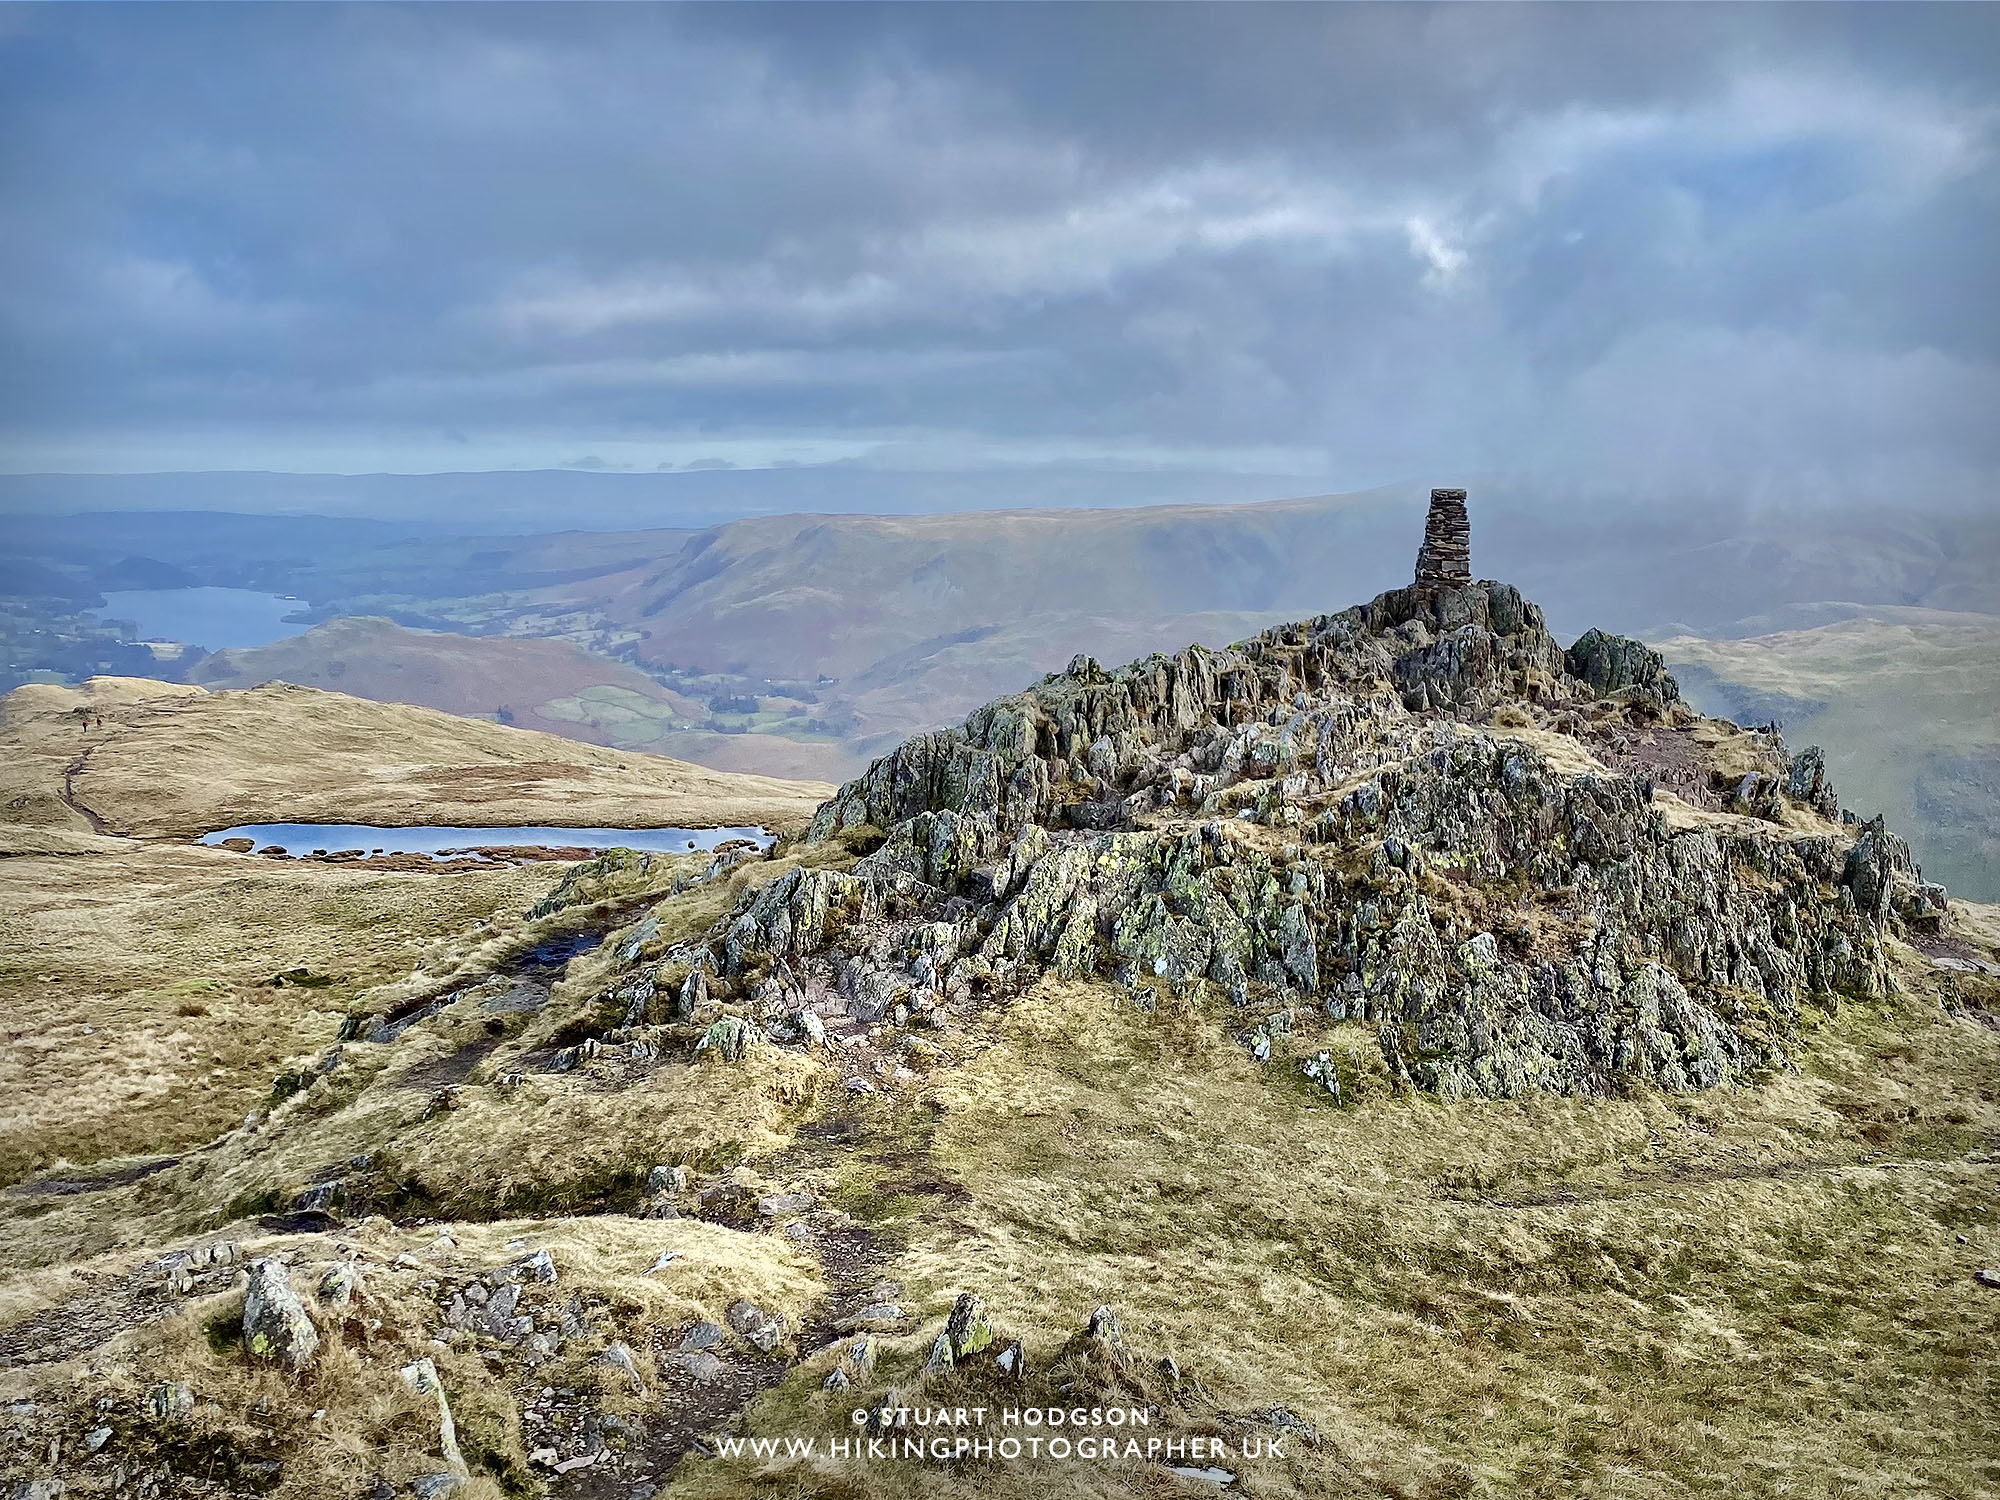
802, 644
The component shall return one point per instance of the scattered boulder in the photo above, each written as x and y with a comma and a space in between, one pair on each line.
1608, 664
340, 1284
667, 1179
1321, 1070
539, 1267
703, 1335
1759, 795
967, 1328
760, 1328
276, 1327
941, 1359
856, 1363
1806, 781
1013, 1362
699, 1365
693, 997
169, 1401
728, 1038
1922, 906
1104, 1330
489, 1306
881, 1314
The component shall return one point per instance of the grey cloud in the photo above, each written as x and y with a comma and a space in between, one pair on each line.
1667, 248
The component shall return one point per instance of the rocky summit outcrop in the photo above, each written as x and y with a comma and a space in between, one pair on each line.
1523, 867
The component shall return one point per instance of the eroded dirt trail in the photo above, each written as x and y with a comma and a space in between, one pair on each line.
687, 1413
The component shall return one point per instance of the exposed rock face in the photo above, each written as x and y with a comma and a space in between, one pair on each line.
1614, 663
1807, 782
1420, 814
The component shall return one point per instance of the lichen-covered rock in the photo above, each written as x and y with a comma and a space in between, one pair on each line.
728, 1039
1420, 814
276, 1327
422, 1379
1320, 1069
338, 1286
169, 1401
966, 1328
1105, 1330
1758, 795
1614, 663
1807, 782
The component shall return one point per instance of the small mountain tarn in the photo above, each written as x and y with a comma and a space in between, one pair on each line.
1525, 868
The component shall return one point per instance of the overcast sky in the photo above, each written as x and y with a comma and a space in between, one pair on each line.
1641, 249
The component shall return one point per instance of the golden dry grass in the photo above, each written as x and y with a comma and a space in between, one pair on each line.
350, 1419
1758, 1290
174, 762
1754, 1291
136, 1013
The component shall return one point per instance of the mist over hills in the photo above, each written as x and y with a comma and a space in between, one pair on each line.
500, 501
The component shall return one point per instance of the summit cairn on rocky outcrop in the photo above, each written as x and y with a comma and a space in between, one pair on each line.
1521, 868
1446, 555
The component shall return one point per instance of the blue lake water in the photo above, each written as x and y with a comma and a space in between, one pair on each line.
304, 838
209, 617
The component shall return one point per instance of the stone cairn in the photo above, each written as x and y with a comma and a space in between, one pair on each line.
1446, 555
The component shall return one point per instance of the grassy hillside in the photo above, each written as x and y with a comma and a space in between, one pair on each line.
1760, 1290
490, 678
169, 760
1766, 1288
1907, 708
136, 1001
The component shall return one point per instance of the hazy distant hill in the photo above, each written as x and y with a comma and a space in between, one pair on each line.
1907, 708
548, 685
507, 680
784, 595
167, 760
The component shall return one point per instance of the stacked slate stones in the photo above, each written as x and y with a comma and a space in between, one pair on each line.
1446, 555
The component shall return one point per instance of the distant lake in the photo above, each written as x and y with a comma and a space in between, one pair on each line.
303, 838
207, 617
